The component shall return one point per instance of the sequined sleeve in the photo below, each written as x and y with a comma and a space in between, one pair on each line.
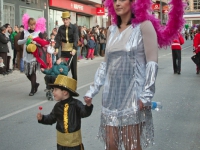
151, 52
98, 81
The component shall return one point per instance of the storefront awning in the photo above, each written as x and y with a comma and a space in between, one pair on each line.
191, 17
73, 6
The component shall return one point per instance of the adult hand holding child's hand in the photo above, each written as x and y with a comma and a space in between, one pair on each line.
88, 101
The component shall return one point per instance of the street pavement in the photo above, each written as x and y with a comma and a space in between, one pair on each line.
176, 125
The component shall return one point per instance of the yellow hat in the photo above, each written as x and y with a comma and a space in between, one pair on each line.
31, 48
65, 82
65, 14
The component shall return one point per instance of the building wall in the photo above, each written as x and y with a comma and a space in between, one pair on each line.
36, 10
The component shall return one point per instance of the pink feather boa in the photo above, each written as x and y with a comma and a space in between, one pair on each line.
142, 11
40, 23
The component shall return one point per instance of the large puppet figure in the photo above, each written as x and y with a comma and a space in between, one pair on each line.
129, 71
32, 29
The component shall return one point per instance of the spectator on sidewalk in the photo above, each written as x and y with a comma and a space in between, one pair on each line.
3, 48
9, 65
19, 49
176, 54
102, 42
12, 36
91, 46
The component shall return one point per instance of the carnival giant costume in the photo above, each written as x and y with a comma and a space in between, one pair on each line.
129, 72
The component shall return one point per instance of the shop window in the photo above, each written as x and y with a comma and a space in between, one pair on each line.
55, 19
9, 14
83, 21
34, 13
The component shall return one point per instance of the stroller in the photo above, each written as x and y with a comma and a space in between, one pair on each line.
51, 79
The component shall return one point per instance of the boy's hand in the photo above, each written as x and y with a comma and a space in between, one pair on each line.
88, 101
39, 116
42, 69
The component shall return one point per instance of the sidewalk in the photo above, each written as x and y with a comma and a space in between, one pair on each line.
16, 74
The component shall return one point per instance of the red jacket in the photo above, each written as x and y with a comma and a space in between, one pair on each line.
196, 43
176, 45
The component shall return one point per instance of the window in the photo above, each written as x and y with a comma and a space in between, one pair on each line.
196, 4
9, 14
34, 13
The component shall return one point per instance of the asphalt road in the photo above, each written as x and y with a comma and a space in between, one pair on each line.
176, 125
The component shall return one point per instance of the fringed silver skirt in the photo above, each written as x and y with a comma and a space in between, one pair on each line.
125, 130
30, 67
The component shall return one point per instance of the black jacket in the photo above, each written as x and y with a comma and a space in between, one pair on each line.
72, 36
3, 43
76, 111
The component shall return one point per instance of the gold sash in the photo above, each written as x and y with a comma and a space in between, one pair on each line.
69, 139
67, 46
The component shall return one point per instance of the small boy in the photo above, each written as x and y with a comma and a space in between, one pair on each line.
67, 113
91, 46
59, 68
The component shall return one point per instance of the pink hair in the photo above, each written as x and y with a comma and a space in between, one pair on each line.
142, 11
40, 23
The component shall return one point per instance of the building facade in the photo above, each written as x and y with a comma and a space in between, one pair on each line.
160, 9
83, 12
192, 13
13, 10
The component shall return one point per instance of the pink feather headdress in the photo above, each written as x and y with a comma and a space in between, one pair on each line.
40, 23
142, 11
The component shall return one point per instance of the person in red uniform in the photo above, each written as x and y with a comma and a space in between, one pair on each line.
196, 45
176, 54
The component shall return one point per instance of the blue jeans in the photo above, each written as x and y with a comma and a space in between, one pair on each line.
21, 65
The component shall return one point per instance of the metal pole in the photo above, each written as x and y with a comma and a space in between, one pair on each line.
161, 14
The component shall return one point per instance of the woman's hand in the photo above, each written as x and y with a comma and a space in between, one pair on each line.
141, 105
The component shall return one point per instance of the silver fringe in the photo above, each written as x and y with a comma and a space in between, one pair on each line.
126, 135
30, 68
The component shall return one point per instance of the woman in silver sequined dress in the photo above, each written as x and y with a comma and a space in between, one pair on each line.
128, 75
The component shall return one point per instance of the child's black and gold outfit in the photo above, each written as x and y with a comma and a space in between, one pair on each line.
67, 113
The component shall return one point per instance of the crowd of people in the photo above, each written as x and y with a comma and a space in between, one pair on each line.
10, 52
91, 43
97, 34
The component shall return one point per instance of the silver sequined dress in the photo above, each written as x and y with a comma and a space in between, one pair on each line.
127, 78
